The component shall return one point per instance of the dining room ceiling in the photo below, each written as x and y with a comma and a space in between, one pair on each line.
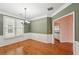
33, 9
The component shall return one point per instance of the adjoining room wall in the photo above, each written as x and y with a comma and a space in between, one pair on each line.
66, 29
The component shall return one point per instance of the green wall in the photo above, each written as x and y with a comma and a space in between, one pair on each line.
39, 26
26, 28
42, 25
49, 25
1, 24
72, 7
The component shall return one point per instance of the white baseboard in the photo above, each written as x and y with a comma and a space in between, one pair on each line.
46, 38
76, 48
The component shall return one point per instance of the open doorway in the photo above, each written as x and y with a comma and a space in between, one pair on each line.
64, 31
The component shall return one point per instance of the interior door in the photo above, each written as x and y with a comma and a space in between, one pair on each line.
8, 27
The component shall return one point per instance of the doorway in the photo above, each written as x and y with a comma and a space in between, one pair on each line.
64, 30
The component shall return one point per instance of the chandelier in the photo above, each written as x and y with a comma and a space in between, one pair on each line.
25, 20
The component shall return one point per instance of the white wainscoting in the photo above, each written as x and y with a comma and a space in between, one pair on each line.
46, 38
1, 39
6, 41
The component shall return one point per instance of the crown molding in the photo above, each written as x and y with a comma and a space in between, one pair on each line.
9, 14
36, 18
61, 8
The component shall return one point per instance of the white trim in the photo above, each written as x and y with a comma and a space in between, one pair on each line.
72, 13
73, 32
61, 8
36, 18
52, 33
77, 47
65, 15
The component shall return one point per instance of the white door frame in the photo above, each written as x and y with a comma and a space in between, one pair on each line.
71, 13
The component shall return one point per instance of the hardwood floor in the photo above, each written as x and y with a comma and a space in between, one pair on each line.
32, 47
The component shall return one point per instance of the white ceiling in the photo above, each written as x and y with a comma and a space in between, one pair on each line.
33, 9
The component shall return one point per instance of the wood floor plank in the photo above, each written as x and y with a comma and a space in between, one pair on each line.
32, 47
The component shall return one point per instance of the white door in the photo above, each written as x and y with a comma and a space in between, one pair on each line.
19, 27
8, 27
